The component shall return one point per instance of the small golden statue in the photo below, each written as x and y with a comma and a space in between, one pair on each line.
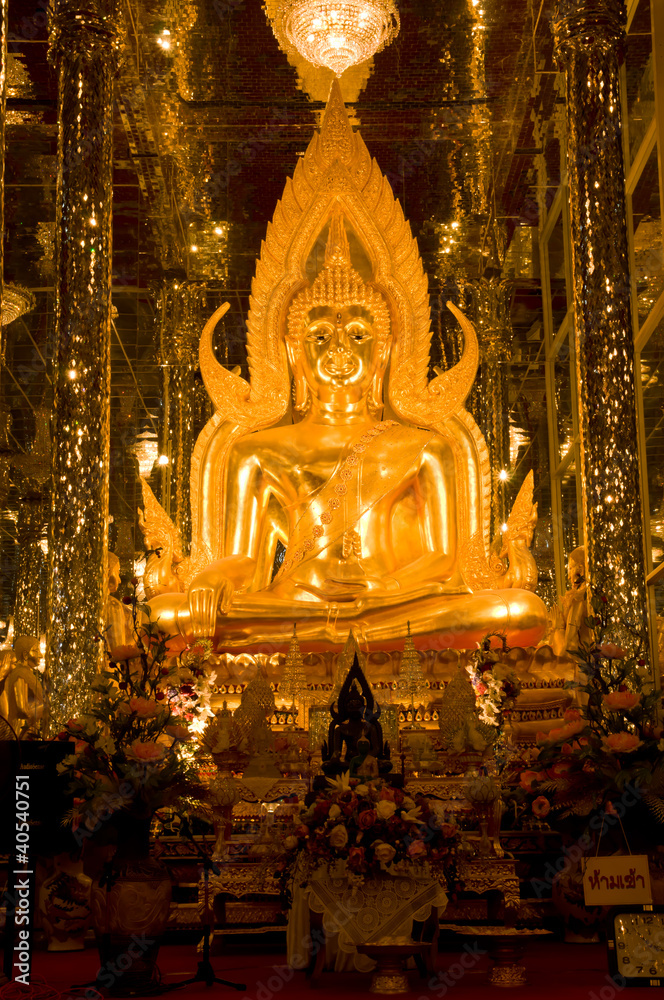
374, 478
569, 628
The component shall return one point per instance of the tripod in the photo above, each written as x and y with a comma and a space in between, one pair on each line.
205, 971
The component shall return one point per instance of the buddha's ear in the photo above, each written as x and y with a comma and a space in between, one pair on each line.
375, 401
301, 394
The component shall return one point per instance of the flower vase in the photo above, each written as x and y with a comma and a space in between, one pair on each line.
130, 908
64, 905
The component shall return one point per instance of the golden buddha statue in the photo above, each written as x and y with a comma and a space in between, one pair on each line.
374, 478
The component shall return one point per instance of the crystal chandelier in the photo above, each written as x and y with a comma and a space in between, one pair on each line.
16, 301
338, 33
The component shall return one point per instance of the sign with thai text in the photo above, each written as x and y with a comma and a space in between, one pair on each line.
616, 881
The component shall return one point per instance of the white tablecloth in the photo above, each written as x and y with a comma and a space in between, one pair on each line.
377, 909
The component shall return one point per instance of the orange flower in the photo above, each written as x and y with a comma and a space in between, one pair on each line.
147, 753
612, 652
571, 714
144, 707
617, 700
541, 806
527, 778
121, 653
178, 732
621, 742
572, 728
562, 768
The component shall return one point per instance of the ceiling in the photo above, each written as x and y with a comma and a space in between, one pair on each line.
463, 112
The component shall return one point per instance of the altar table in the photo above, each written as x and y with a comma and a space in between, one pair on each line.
330, 916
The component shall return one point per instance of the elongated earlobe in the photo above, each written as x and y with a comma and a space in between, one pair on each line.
301, 395
375, 399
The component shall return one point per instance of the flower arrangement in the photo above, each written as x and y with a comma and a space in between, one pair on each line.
609, 749
495, 683
371, 826
130, 754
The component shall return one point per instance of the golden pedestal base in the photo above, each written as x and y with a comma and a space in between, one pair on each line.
389, 978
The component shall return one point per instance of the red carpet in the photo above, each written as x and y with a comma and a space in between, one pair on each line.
575, 972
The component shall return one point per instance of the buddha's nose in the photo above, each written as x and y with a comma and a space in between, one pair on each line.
340, 344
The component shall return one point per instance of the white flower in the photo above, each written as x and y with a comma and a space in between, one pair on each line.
334, 811
106, 744
385, 809
340, 784
362, 790
408, 803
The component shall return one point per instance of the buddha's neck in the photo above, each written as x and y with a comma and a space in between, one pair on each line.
339, 412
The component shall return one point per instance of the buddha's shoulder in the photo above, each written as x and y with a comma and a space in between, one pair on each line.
424, 442
280, 440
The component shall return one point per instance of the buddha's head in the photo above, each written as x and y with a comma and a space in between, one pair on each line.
338, 337
576, 567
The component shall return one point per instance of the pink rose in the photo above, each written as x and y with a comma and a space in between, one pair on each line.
356, 857
617, 700
571, 714
541, 806
144, 708
366, 819
621, 742
416, 849
612, 652
146, 752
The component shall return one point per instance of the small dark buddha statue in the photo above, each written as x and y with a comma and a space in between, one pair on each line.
355, 727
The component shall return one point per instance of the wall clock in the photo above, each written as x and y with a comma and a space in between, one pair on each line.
635, 941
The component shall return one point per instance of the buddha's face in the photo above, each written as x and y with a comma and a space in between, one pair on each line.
341, 351
576, 571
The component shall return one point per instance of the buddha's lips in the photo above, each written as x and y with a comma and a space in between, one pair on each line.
339, 371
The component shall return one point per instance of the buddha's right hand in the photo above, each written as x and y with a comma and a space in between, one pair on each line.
211, 593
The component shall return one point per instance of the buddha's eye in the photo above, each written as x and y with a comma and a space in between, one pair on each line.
319, 335
358, 334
